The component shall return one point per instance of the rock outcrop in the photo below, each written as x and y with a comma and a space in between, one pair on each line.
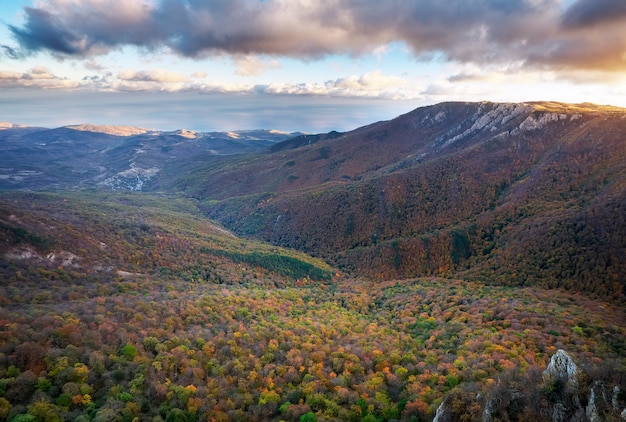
443, 413
605, 403
561, 379
562, 369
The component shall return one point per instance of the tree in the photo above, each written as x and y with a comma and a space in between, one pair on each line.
44, 411
308, 417
5, 408
129, 351
22, 388
176, 415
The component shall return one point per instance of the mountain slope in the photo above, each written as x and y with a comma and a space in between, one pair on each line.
519, 194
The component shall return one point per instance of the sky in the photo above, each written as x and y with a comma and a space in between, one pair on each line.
298, 65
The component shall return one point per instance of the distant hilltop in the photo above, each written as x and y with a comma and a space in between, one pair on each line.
110, 130
6, 125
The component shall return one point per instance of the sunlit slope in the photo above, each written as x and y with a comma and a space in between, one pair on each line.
134, 235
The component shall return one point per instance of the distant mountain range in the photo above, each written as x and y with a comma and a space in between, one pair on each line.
117, 157
513, 194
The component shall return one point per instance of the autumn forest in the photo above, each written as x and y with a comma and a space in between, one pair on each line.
367, 290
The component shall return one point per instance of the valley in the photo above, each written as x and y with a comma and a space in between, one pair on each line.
424, 266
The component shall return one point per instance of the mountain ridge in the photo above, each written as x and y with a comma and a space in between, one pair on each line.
400, 132
126, 130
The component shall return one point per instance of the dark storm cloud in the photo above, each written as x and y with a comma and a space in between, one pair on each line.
586, 13
534, 32
44, 31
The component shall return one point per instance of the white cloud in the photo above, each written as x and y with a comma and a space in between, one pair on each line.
371, 81
39, 72
248, 65
9, 75
94, 65
380, 51
37, 77
369, 85
374, 84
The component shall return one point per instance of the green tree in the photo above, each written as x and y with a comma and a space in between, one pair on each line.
129, 351
308, 417
176, 415
23, 418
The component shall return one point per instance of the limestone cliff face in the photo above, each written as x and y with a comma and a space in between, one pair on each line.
443, 413
561, 380
562, 369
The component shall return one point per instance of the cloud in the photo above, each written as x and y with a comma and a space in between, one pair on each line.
466, 76
199, 75
38, 77
45, 31
370, 85
249, 65
590, 13
160, 76
508, 74
589, 34
7, 75
39, 72
92, 64
12, 53
370, 80
128, 80
85, 27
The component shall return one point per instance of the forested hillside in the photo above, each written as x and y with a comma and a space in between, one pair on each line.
509, 194
129, 236
125, 306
